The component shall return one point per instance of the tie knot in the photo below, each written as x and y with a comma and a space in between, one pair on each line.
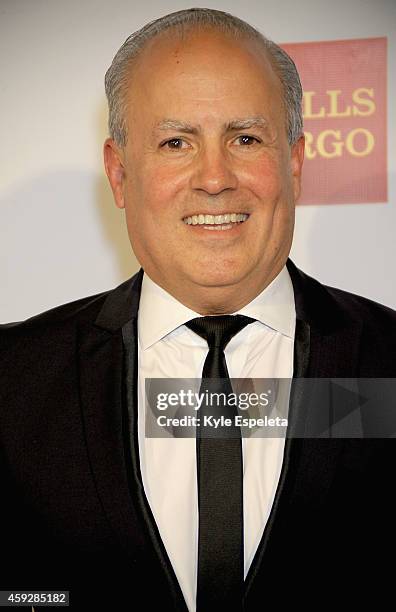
218, 330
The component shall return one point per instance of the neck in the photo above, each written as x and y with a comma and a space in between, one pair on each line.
215, 300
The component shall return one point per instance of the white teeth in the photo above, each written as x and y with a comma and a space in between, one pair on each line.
216, 219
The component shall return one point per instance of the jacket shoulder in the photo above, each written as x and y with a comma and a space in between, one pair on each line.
81, 308
44, 342
331, 310
377, 351
372, 314
56, 322
43, 350
377, 343
324, 305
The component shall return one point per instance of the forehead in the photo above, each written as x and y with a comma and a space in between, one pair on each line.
205, 65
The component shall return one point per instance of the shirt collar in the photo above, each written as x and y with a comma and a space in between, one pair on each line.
160, 313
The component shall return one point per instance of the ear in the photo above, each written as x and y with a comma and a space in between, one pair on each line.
296, 161
114, 165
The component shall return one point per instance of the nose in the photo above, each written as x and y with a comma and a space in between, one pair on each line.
213, 172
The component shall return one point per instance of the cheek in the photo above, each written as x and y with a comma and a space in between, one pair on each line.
153, 190
271, 184
264, 179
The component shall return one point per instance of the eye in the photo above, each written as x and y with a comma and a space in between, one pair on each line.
175, 144
246, 140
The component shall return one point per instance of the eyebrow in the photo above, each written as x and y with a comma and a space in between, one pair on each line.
235, 124
249, 122
179, 126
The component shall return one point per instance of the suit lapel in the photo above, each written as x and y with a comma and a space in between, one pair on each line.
108, 388
129, 332
101, 358
326, 346
101, 378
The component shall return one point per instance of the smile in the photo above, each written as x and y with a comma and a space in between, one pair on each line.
223, 222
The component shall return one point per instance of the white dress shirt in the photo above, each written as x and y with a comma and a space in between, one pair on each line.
168, 349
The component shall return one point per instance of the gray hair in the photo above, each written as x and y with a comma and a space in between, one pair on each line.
117, 76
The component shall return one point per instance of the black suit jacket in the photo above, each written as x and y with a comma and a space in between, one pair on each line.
74, 513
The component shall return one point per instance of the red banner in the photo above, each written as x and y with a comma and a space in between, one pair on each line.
344, 106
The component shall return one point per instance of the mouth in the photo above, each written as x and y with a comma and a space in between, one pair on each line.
223, 222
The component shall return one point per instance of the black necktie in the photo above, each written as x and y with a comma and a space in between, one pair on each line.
220, 479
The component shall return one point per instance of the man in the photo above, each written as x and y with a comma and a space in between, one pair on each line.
205, 154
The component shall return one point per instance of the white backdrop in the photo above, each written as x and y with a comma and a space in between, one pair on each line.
61, 235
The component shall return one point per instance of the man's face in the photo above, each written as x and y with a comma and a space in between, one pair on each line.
207, 136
